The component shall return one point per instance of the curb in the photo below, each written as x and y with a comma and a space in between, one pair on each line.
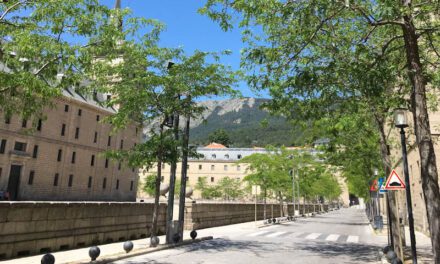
139, 252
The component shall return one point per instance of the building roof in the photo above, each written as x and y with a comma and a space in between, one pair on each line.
214, 145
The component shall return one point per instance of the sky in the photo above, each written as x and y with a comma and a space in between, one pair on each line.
190, 30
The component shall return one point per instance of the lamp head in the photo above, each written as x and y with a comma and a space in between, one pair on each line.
400, 119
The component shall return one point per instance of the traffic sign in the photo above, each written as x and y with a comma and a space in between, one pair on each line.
394, 182
382, 185
374, 186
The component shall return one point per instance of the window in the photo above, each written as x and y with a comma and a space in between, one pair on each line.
119, 166
63, 129
73, 157
104, 183
24, 123
162, 178
132, 169
239, 156
109, 141
225, 167
226, 156
79, 112
163, 165
3, 146
70, 180
7, 120
89, 183
95, 139
20, 146
60, 153
212, 179
213, 156
97, 118
106, 163
187, 167
238, 168
92, 161
55, 179
109, 97
31, 177
66, 108
117, 184
200, 167
40, 123
77, 132
35, 153
121, 146
212, 167
131, 185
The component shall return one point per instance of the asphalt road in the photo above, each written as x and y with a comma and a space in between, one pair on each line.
342, 236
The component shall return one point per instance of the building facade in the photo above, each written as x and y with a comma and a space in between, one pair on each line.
61, 156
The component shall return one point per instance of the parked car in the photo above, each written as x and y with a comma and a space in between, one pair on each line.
4, 195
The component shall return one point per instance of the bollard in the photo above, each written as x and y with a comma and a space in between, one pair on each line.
391, 255
386, 249
48, 259
154, 241
94, 252
274, 220
396, 261
128, 246
193, 234
176, 238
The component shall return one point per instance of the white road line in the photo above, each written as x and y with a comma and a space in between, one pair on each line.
353, 239
313, 236
332, 237
258, 233
276, 234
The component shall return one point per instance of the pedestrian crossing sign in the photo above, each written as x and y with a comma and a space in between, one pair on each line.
394, 182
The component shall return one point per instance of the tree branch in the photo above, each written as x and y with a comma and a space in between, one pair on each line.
12, 7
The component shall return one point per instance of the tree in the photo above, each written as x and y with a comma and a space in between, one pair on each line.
150, 185
220, 136
44, 48
230, 188
146, 90
298, 37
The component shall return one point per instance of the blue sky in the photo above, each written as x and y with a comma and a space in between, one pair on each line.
190, 30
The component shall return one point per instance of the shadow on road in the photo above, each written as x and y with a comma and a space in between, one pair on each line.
356, 252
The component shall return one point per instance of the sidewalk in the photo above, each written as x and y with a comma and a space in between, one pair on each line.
423, 246
115, 250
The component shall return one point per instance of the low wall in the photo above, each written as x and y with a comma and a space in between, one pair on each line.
205, 215
28, 228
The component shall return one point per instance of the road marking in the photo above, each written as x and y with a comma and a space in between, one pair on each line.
313, 236
332, 237
258, 233
275, 234
353, 239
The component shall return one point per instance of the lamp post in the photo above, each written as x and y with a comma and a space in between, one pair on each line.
292, 174
401, 122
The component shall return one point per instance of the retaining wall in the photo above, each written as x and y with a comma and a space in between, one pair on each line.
204, 215
28, 228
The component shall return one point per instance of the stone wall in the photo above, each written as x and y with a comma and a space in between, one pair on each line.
28, 228
205, 215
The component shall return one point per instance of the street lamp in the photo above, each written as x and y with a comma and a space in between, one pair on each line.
400, 121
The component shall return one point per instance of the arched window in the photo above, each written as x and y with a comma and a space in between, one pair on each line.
227, 156
213, 156
239, 156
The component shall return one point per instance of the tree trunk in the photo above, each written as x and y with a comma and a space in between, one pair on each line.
157, 191
393, 215
264, 207
422, 130
281, 204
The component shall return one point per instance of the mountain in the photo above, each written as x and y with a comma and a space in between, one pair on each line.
242, 119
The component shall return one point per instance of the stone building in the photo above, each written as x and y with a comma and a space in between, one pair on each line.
216, 163
60, 157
